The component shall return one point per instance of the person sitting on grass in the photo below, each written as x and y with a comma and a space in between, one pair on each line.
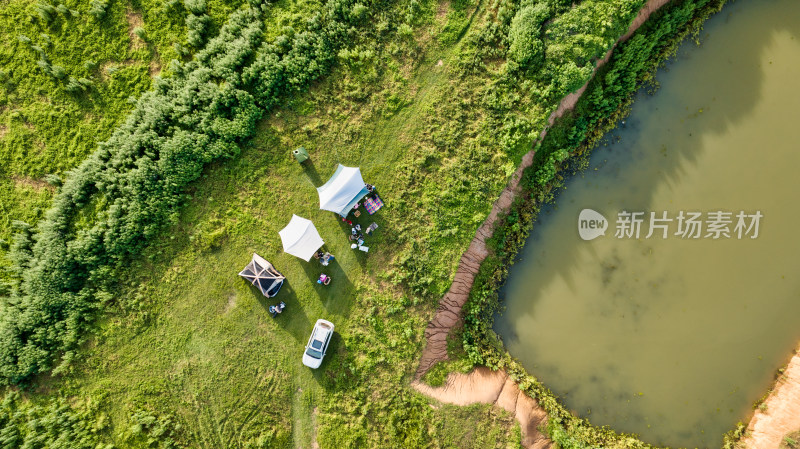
275, 310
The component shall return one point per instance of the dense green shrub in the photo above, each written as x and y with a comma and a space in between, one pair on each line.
197, 29
526, 47
46, 12
489, 42
195, 7
131, 187
59, 423
98, 8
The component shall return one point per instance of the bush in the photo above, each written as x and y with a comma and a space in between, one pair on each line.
526, 46
46, 12
58, 72
97, 8
152, 431
197, 28
195, 7
140, 33
54, 180
54, 424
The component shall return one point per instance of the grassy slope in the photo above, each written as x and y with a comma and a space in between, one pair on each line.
190, 338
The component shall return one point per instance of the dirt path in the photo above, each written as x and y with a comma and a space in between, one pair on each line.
569, 102
449, 311
782, 413
485, 386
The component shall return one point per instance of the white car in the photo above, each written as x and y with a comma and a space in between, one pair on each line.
318, 343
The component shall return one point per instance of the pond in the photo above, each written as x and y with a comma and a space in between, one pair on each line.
675, 338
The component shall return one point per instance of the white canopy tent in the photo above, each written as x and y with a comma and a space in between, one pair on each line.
300, 238
263, 275
345, 188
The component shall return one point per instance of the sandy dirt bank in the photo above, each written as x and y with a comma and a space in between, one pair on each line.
782, 412
483, 385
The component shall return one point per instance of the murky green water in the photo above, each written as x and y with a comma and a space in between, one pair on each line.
675, 339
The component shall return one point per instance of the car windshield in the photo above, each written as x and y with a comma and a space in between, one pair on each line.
314, 353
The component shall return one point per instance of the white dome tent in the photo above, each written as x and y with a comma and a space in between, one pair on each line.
300, 238
345, 188
263, 275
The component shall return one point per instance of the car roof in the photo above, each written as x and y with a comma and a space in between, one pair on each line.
324, 324
321, 332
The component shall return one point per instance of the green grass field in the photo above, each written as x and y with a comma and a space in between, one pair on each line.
189, 316
186, 354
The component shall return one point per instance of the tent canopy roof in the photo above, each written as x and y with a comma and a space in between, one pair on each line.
300, 238
345, 188
263, 275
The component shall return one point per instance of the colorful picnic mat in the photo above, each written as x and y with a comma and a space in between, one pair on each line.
372, 205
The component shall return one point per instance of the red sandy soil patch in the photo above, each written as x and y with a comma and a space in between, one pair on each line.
780, 414
231, 304
314, 443
485, 386
153, 68
135, 20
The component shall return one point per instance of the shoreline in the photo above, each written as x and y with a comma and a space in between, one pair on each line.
482, 384
448, 314
779, 414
